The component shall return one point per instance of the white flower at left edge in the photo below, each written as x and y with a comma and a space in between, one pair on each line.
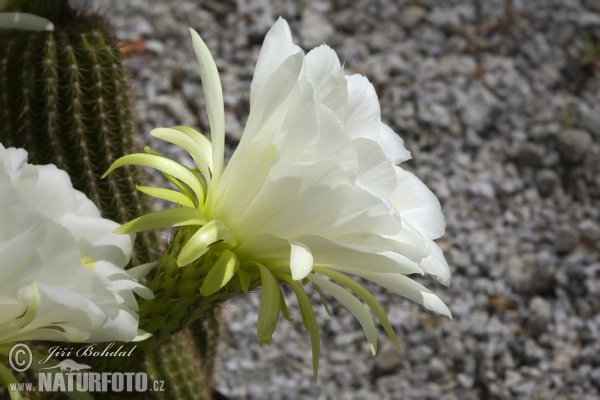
62, 273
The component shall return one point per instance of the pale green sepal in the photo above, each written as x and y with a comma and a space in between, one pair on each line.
284, 309
186, 142
213, 95
308, 319
6, 379
201, 141
214, 231
148, 150
206, 150
36, 366
366, 296
167, 194
163, 219
220, 273
186, 192
165, 165
353, 305
142, 335
244, 280
24, 21
323, 299
270, 306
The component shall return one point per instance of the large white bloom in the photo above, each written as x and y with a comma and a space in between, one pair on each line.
312, 190
61, 267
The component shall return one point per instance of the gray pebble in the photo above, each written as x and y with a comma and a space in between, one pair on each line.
565, 241
546, 180
530, 155
573, 144
411, 16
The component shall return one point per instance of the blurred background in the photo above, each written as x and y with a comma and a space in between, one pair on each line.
499, 103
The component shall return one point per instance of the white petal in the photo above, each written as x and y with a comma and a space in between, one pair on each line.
213, 94
294, 196
272, 101
323, 70
418, 205
435, 264
301, 260
392, 145
328, 253
243, 179
13, 159
375, 169
276, 48
363, 112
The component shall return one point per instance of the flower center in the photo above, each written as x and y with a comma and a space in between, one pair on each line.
88, 262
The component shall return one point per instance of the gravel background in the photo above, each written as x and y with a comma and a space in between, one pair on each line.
498, 101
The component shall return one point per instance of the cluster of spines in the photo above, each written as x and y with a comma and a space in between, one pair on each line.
64, 99
179, 380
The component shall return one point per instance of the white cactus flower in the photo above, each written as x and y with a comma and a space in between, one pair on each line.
62, 271
312, 192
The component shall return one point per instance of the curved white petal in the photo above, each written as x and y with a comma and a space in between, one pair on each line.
418, 205
375, 170
293, 196
276, 48
363, 112
243, 179
393, 145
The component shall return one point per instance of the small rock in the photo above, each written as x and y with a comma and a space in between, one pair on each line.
525, 388
565, 241
588, 20
437, 368
530, 155
411, 16
466, 381
588, 119
590, 230
155, 46
573, 144
477, 107
388, 359
460, 259
447, 20
533, 353
546, 181
541, 312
